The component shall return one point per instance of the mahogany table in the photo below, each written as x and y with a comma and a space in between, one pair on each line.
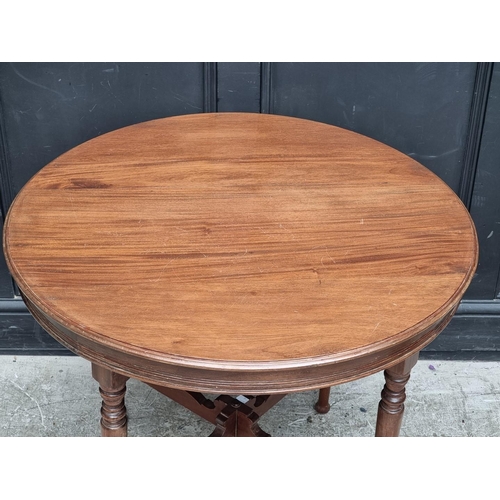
243, 254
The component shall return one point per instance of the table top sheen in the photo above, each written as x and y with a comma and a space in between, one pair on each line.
240, 239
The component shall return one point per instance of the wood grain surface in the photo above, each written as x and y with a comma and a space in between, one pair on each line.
239, 241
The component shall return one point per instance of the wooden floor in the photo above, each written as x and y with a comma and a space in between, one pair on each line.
56, 396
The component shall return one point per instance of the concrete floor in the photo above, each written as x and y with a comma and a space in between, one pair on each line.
56, 396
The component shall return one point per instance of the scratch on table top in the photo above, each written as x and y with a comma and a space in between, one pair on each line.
161, 272
286, 229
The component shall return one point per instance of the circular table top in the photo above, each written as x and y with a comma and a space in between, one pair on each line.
240, 240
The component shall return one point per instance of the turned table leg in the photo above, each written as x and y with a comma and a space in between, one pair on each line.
391, 406
113, 412
323, 403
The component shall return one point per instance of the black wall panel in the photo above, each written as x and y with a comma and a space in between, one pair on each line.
485, 206
6, 285
238, 87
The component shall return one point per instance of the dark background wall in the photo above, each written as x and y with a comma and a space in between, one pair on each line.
444, 115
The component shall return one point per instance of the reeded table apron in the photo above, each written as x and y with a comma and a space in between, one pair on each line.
240, 254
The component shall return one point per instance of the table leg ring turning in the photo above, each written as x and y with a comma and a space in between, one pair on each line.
112, 387
391, 406
113, 413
